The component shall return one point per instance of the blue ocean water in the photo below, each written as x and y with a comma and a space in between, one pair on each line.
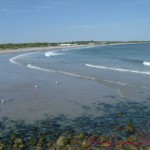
96, 83
117, 64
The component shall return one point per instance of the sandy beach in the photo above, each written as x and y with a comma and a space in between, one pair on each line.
39, 48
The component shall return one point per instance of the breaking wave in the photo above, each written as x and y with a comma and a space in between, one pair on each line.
49, 54
146, 63
14, 59
118, 69
39, 68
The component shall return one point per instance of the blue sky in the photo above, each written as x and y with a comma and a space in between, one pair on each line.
71, 20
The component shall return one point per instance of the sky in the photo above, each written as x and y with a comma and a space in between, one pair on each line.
24, 21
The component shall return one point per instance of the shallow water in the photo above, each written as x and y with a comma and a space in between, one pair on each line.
85, 85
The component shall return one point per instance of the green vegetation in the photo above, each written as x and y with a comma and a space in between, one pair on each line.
46, 44
25, 45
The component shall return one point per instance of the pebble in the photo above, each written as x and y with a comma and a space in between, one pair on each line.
62, 141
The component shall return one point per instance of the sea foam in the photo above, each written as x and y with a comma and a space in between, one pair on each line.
14, 59
39, 68
146, 63
117, 69
49, 54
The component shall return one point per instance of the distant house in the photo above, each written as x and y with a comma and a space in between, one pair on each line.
68, 44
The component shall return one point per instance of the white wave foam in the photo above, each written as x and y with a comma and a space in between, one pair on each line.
118, 69
14, 59
146, 63
39, 68
49, 54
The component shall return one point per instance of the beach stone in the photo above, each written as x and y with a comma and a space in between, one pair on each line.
131, 147
82, 135
51, 148
85, 144
105, 144
130, 128
42, 140
77, 136
13, 136
75, 141
119, 147
32, 148
132, 139
39, 147
62, 141
15, 146
140, 148
2, 146
147, 148
32, 142
49, 144
102, 139
18, 141
21, 146
69, 147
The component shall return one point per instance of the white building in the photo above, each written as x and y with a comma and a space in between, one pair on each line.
66, 44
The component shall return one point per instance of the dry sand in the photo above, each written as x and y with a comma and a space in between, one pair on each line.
39, 48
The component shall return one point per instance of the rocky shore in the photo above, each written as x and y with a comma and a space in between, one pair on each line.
76, 142
124, 127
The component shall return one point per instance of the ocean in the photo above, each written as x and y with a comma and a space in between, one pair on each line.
84, 88
127, 65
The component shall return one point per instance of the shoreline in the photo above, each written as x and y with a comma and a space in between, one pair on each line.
58, 47
103, 113
41, 48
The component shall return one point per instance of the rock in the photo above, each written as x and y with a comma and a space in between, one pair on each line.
132, 139
75, 141
42, 140
32, 142
102, 139
15, 146
62, 141
39, 147
13, 136
147, 148
82, 135
119, 128
131, 147
21, 146
119, 147
130, 128
18, 141
93, 139
105, 144
140, 148
85, 145
2, 146
49, 144
69, 147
